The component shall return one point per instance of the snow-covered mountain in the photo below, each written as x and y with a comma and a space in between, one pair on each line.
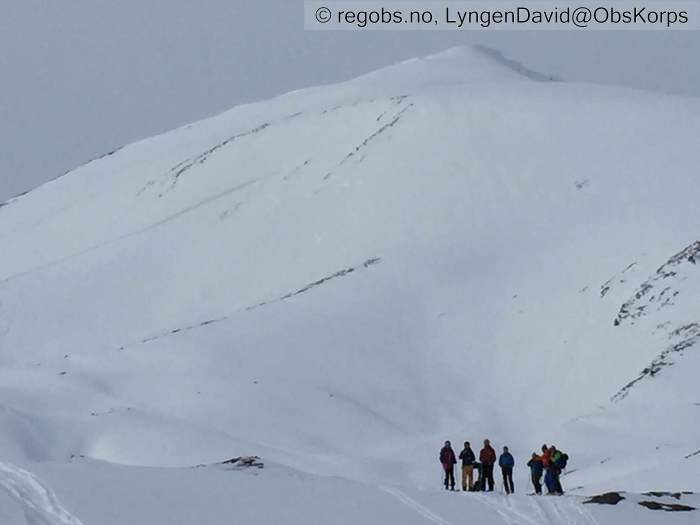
343, 277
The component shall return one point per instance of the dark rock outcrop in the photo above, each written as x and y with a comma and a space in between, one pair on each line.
659, 290
609, 498
668, 507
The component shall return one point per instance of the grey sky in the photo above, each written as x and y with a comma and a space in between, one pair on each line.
80, 77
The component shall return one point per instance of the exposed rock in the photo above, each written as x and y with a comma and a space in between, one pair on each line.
239, 463
668, 507
657, 494
609, 498
689, 336
620, 278
659, 289
244, 462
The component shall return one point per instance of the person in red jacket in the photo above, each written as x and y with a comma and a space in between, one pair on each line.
487, 457
549, 468
448, 461
545, 455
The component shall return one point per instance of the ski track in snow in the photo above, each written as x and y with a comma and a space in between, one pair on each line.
552, 511
415, 506
536, 506
40, 504
512, 510
507, 511
585, 515
562, 511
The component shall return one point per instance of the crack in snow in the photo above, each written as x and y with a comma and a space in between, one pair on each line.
181, 168
395, 119
133, 233
184, 166
341, 273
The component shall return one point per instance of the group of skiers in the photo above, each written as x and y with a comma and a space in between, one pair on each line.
551, 463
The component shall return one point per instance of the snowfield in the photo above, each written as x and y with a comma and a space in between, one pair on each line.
341, 278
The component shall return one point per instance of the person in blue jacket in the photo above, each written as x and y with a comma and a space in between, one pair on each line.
506, 462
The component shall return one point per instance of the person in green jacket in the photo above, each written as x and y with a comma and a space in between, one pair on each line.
554, 470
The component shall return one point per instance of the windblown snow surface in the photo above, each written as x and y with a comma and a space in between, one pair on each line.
341, 278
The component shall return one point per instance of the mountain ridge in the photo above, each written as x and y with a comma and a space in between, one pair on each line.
495, 205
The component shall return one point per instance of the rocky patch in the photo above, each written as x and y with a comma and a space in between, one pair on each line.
686, 337
668, 507
620, 278
609, 498
239, 463
675, 495
660, 290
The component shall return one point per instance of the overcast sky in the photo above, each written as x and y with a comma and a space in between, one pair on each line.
81, 77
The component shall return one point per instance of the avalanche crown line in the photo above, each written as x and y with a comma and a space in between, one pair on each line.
172, 332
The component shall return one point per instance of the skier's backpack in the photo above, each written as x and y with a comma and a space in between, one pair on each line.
562, 461
478, 485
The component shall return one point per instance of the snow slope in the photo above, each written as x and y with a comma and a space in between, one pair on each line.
340, 278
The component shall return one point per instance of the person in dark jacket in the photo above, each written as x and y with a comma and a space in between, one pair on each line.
448, 461
487, 457
506, 462
536, 469
468, 458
